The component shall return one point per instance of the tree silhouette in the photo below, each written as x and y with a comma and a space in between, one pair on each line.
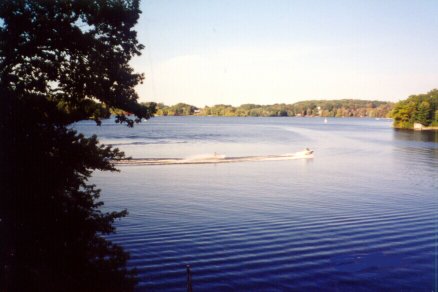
61, 62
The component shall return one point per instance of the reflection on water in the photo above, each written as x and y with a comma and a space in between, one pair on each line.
361, 215
409, 135
418, 147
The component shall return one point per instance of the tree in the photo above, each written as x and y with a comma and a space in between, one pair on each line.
416, 109
62, 61
423, 114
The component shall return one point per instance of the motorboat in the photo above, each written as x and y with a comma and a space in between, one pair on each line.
306, 153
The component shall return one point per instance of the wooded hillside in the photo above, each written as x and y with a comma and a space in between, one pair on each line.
323, 108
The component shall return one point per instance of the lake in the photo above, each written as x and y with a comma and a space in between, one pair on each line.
361, 215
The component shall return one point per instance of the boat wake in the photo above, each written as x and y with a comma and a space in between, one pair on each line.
213, 159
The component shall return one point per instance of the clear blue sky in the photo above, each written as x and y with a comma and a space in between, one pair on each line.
207, 52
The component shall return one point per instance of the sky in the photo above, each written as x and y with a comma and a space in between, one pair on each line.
206, 52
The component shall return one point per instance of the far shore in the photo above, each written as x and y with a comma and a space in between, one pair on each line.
417, 129
297, 116
427, 129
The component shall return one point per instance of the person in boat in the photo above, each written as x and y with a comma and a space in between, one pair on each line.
307, 151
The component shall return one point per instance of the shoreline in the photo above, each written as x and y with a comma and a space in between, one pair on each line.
303, 117
417, 129
426, 129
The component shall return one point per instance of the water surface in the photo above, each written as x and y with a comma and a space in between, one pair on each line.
361, 215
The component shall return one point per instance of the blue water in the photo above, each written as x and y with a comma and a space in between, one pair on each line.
361, 215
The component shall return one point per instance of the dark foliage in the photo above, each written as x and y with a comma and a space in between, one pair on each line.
61, 62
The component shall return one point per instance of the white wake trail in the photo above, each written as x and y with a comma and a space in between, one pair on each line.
214, 158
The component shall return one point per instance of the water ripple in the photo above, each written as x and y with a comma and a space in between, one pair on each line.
361, 216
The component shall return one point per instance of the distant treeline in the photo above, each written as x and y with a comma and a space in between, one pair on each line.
422, 109
311, 108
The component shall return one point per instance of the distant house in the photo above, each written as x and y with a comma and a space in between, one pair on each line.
319, 110
418, 126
